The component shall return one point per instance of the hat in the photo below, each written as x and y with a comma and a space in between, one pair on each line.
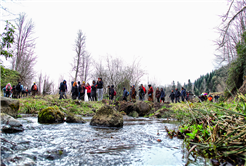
83, 82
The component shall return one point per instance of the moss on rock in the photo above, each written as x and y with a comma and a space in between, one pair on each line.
51, 115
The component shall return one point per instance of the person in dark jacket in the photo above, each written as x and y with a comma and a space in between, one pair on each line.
100, 89
75, 91
125, 94
133, 92
183, 93
141, 93
157, 94
150, 93
111, 93
163, 95
18, 90
177, 95
172, 96
94, 91
63, 90
79, 86
130, 93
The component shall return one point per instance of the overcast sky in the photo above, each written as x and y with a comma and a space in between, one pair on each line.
173, 38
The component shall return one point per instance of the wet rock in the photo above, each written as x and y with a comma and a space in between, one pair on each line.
108, 117
71, 118
141, 107
10, 106
51, 115
10, 124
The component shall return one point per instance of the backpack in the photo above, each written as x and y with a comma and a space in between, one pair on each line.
18, 87
114, 93
144, 90
127, 93
35, 87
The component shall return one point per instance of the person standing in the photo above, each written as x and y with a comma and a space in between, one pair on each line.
157, 94
111, 93
177, 95
34, 89
172, 96
125, 94
94, 91
144, 90
100, 89
150, 93
141, 93
163, 95
183, 93
4, 91
18, 89
75, 91
88, 87
133, 92
79, 86
63, 89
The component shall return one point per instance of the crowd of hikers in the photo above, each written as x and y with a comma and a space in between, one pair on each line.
18, 91
94, 92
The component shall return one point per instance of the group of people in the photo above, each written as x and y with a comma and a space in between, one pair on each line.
210, 98
159, 94
83, 91
18, 91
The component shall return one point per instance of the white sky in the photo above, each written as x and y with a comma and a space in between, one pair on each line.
173, 38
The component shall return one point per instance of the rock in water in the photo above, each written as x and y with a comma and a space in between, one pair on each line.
71, 118
108, 117
51, 115
10, 106
10, 124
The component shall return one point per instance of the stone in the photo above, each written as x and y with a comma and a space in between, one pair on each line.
107, 116
10, 106
51, 115
141, 107
10, 124
71, 118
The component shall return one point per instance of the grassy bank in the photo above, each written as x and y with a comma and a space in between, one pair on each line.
215, 130
31, 105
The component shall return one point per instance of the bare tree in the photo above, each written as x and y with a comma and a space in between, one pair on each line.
40, 81
85, 66
80, 50
231, 30
47, 86
24, 59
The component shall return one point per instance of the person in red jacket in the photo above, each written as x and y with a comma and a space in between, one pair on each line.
88, 87
150, 93
144, 90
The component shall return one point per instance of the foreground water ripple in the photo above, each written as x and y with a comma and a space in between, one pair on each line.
81, 144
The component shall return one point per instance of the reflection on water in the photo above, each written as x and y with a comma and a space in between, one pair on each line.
79, 144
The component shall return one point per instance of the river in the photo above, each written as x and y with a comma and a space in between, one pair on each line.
81, 144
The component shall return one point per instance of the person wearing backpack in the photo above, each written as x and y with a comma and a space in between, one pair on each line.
34, 89
75, 91
94, 91
150, 93
18, 89
177, 95
8, 90
172, 96
183, 94
140, 92
125, 94
100, 89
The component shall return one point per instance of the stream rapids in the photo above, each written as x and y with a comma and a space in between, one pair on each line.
81, 144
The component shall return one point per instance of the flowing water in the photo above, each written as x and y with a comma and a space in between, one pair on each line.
81, 144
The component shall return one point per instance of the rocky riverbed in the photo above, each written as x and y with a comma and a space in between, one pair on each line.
79, 144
